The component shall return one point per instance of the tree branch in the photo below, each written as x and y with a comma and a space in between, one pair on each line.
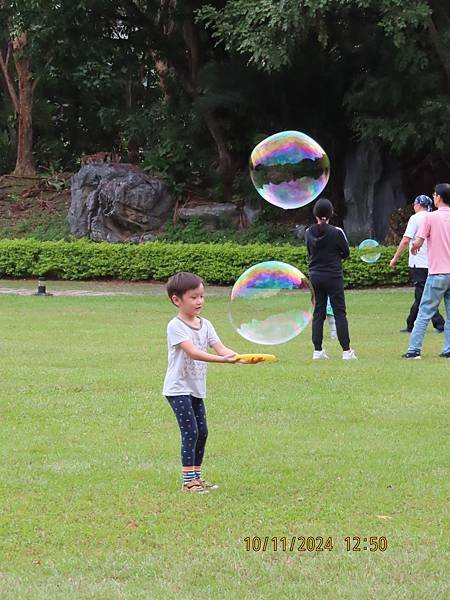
8, 55
8, 80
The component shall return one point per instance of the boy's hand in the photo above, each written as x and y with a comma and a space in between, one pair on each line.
230, 358
250, 361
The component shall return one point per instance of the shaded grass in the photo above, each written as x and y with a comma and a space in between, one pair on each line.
90, 502
39, 226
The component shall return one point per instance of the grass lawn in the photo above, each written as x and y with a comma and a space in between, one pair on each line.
90, 501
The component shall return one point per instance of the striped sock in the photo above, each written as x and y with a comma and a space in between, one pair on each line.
198, 472
188, 475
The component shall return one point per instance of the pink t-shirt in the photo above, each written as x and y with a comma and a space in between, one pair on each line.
435, 229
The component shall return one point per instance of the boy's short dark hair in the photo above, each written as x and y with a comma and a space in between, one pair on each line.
443, 190
181, 282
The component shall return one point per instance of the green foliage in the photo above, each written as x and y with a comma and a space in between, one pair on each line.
189, 86
255, 28
260, 232
385, 61
173, 144
169, 157
218, 263
190, 233
266, 232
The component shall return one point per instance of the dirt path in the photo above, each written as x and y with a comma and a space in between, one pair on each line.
27, 287
58, 287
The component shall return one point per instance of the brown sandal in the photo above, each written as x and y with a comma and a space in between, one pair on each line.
206, 485
194, 487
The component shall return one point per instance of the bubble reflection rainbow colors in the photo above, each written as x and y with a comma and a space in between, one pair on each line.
289, 169
271, 303
369, 251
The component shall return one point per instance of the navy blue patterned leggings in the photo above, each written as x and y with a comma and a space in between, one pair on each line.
191, 416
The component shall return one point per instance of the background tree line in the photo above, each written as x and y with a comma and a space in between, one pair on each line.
187, 88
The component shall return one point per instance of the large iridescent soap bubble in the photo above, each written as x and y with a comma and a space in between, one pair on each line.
289, 169
271, 303
369, 251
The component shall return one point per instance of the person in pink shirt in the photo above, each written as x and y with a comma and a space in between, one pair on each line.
435, 229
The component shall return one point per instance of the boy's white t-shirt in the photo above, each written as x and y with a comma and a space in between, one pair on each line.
420, 260
185, 375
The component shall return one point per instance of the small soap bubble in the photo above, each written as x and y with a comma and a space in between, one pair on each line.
369, 251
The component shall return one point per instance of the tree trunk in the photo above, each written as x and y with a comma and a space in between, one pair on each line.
186, 65
162, 70
24, 162
226, 168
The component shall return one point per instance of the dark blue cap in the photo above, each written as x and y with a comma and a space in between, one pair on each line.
425, 201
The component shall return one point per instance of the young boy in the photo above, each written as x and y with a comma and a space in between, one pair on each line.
188, 338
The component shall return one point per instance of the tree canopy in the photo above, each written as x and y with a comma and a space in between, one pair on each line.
188, 88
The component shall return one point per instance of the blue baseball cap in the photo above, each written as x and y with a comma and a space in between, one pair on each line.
425, 201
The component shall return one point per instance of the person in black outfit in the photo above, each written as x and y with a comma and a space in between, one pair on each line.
419, 279
327, 246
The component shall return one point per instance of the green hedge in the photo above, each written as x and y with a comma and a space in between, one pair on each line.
216, 263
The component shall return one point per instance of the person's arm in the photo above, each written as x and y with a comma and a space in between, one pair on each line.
417, 245
404, 243
222, 350
308, 249
215, 343
424, 232
196, 354
344, 248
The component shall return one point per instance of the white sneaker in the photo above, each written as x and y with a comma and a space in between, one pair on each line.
320, 355
349, 355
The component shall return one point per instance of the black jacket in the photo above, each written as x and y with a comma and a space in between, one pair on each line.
327, 246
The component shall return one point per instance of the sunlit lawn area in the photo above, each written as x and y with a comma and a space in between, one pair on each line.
90, 499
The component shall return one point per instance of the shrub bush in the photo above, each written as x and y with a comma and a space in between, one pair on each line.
219, 264
260, 232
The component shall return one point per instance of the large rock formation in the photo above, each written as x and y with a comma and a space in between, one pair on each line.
117, 202
214, 215
372, 191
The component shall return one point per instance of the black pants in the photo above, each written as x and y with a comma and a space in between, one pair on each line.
191, 416
332, 287
419, 278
